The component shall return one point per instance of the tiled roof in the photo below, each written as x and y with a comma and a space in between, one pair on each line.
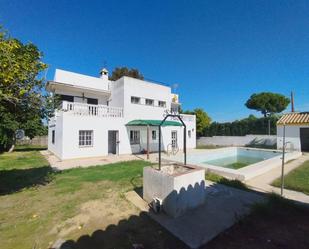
294, 118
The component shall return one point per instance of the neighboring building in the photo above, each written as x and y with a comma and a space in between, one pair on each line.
296, 131
98, 117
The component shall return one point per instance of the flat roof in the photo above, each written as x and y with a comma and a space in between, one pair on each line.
294, 118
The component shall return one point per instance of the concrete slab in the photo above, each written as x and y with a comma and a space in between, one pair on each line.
224, 206
58, 164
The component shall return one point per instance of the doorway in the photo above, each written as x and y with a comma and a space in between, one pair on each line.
304, 139
113, 142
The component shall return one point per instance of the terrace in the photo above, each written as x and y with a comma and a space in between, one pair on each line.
83, 109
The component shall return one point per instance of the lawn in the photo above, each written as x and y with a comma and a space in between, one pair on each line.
297, 179
39, 206
86, 208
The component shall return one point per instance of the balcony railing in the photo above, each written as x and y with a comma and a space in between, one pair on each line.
92, 110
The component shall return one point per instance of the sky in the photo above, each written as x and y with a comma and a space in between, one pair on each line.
217, 52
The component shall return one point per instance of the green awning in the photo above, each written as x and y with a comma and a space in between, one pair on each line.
152, 122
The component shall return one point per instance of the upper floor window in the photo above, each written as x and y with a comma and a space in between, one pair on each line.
162, 103
135, 100
92, 101
149, 102
68, 98
85, 138
189, 133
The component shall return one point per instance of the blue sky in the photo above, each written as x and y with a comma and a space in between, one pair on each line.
218, 52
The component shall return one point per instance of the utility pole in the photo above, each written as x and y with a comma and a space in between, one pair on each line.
292, 102
283, 156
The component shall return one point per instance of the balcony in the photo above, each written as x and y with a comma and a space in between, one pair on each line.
82, 109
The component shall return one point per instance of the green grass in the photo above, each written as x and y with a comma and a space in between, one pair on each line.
34, 199
297, 179
222, 180
237, 165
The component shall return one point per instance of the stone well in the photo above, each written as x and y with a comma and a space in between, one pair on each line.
180, 187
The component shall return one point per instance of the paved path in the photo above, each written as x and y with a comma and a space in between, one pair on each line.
223, 208
58, 164
262, 182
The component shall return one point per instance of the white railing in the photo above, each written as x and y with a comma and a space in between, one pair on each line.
92, 110
187, 117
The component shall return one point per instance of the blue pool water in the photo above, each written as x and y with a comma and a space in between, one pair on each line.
234, 158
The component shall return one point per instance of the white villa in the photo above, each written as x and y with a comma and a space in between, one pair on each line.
98, 117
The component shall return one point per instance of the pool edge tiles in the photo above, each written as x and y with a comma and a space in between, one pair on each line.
244, 173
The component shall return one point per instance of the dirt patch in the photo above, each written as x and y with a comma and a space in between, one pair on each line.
96, 213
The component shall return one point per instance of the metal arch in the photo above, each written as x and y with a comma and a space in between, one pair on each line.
184, 137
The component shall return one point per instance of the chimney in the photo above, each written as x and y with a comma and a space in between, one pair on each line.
292, 102
104, 74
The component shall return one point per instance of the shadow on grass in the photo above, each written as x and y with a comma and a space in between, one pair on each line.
16, 179
29, 148
136, 232
222, 180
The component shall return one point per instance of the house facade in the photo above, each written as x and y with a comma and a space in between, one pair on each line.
98, 117
295, 127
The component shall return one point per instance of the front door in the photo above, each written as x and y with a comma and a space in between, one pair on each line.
174, 139
304, 139
112, 142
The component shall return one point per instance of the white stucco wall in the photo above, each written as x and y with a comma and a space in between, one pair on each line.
56, 124
292, 135
67, 125
81, 80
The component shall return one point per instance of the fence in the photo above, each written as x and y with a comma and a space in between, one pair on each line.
248, 140
39, 141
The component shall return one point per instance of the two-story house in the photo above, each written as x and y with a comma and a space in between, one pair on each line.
98, 117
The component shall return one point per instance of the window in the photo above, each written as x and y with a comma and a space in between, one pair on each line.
53, 136
92, 101
162, 103
154, 135
134, 137
66, 98
149, 102
85, 138
135, 100
189, 133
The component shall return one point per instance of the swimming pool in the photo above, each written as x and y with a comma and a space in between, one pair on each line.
235, 162
234, 158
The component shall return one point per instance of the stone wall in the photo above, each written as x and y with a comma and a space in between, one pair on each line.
39, 141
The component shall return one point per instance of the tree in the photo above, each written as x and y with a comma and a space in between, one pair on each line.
118, 72
267, 103
22, 105
202, 120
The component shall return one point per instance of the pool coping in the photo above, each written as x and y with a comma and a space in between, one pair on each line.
247, 172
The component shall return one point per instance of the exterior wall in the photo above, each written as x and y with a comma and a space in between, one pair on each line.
292, 135
78, 95
67, 124
56, 124
81, 80
143, 90
238, 140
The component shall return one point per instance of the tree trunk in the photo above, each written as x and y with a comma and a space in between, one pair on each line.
13, 145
